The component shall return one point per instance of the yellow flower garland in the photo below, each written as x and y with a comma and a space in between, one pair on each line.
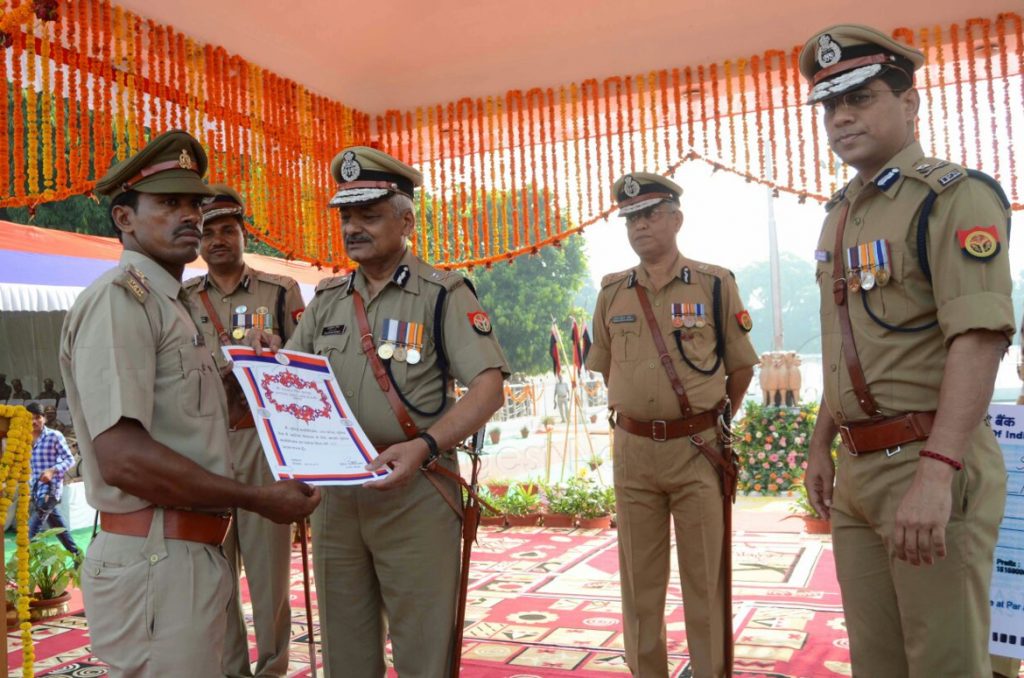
14, 475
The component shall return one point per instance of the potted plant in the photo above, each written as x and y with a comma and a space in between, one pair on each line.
560, 507
51, 571
522, 507
496, 519
495, 435
801, 508
596, 505
497, 487
595, 461
548, 422
524, 431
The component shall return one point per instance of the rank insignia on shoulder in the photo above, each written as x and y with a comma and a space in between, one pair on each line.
980, 242
950, 177
297, 315
332, 330
685, 275
623, 319
204, 319
743, 318
823, 256
480, 322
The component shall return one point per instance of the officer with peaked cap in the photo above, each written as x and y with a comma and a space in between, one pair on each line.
915, 316
386, 554
225, 302
663, 473
151, 418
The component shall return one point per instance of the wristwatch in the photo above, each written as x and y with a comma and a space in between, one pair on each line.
433, 454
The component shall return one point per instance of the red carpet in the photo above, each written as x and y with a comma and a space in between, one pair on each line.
545, 603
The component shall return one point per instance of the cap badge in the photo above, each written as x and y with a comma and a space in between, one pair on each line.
185, 160
350, 167
631, 187
829, 52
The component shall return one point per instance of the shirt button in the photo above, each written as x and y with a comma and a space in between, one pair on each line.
154, 558
857, 220
225, 299
833, 368
349, 393
652, 365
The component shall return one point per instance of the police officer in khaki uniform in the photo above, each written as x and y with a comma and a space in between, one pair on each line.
915, 316
394, 554
150, 411
660, 474
226, 302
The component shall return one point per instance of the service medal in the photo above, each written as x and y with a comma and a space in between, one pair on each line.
238, 333
853, 281
385, 351
700, 322
677, 321
400, 353
867, 281
882, 277
412, 356
689, 321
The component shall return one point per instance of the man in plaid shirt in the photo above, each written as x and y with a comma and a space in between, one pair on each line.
51, 458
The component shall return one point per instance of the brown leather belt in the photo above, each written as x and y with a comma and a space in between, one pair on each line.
888, 433
205, 528
661, 430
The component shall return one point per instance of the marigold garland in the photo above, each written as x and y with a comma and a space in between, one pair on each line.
501, 170
15, 472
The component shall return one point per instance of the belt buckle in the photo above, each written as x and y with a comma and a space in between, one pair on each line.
664, 430
892, 452
844, 434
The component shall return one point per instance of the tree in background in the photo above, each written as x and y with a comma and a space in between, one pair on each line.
800, 303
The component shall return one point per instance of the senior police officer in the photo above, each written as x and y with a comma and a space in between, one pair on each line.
395, 330
227, 301
671, 340
915, 316
151, 415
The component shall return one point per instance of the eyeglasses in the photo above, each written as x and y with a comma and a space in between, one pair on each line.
857, 100
649, 214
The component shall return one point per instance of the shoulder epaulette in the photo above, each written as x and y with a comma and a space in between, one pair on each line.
938, 174
193, 282
446, 279
329, 283
276, 279
835, 199
710, 269
613, 278
134, 281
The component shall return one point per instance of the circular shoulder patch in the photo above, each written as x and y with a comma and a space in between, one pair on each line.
743, 318
480, 322
980, 242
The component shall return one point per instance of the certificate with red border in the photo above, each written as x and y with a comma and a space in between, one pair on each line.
304, 423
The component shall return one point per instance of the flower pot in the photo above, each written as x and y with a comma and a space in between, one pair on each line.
495, 436
493, 521
559, 520
593, 419
497, 489
42, 610
528, 520
524, 432
814, 525
599, 523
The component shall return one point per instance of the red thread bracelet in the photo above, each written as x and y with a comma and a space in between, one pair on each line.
943, 458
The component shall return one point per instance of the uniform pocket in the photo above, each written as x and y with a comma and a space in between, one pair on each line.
201, 382
625, 343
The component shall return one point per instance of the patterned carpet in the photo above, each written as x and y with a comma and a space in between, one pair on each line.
545, 603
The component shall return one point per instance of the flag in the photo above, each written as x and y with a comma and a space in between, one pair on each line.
577, 349
556, 363
586, 342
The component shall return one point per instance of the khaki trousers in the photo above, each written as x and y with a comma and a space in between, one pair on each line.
386, 562
156, 607
1005, 666
917, 622
263, 548
656, 482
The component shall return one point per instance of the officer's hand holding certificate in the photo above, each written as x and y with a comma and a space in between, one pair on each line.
304, 423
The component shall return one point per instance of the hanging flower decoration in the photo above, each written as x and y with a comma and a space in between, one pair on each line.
14, 476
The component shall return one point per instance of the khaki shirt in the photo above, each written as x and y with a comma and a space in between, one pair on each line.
279, 294
329, 328
130, 350
624, 349
904, 369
